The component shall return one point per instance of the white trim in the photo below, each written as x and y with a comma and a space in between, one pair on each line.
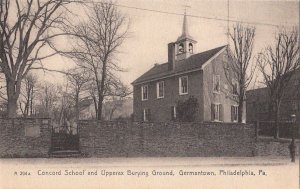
180, 85
142, 92
157, 89
165, 77
144, 115
175, 112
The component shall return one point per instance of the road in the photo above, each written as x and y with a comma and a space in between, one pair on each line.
148, 173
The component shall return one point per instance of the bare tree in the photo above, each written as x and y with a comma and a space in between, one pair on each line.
111, 106
77, 79
277, 65
27, 94
96, 48
47, 98
239, 70
27, 31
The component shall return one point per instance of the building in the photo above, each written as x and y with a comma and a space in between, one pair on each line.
186, 74
112, 109
258, 108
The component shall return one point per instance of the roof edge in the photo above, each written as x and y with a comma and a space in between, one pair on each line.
179, 73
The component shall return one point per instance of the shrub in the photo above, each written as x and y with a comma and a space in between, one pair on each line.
186, 110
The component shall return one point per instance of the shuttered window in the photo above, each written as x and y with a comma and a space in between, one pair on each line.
160, 89
217, 112
145, 92
234, 113
146, 115
183, 85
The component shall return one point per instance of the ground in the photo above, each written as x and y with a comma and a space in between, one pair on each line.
148, 173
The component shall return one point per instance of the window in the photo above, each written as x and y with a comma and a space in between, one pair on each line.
183, 85
180, 48
216, 112
234, 113
191, 48
173, 113
216, 83
234, 87
294, 105
146, 115
297, 82
145, 92
160, 89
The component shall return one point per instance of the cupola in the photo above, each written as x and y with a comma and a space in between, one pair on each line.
185, 43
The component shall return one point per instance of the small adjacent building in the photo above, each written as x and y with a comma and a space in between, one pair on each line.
258, 104
186, 74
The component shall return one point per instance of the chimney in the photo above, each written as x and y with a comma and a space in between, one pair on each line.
171, 56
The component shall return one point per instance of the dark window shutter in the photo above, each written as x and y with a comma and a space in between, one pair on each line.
148, 114
221, 113
232, 113
212, 112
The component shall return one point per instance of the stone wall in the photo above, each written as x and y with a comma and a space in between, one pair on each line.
268, 146
25, 137
110, 139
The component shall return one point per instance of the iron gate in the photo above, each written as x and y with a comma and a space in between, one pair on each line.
64, 137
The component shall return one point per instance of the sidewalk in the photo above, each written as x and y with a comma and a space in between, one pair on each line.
160, 161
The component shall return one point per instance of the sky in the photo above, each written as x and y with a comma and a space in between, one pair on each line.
150, 32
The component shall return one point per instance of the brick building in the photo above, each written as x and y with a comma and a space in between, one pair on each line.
258, 102
186, 74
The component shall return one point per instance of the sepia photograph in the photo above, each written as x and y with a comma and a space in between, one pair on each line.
149, 94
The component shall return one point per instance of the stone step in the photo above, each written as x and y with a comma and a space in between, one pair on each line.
65, 154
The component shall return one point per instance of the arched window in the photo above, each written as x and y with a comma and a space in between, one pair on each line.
191, 48
180, 48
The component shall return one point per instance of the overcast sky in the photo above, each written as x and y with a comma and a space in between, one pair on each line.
150, 32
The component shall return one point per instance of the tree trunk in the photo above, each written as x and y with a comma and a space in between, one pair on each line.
13, 92
102, 85
276, 134
100, 102
241, 104
240, 110
112, 112
77, 106
31, 102
12, 107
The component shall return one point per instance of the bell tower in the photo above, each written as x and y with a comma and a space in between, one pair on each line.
184, 46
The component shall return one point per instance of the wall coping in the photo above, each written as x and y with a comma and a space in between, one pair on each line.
272, 139
23, 118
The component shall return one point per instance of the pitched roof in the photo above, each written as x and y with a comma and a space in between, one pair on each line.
193, 62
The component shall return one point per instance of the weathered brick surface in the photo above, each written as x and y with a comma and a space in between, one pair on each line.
108, 139
14, 143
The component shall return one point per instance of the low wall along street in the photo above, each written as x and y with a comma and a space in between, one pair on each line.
111, 139
268, 146
32, 138
25, 137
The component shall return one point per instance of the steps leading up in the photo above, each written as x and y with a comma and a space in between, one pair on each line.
65, 154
